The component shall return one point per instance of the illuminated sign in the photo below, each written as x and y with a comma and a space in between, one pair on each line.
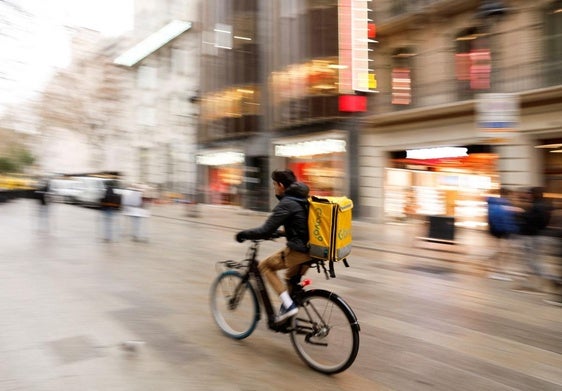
436, 153
356, 73
497, 116
220, 158
309, 148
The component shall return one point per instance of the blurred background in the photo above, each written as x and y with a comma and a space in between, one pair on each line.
418, 110
410, 107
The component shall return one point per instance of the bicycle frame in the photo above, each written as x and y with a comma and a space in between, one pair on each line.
253, 274
325, 333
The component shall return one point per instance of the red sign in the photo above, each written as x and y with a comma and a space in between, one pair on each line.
353, 103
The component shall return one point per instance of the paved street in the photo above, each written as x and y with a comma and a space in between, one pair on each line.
70, 305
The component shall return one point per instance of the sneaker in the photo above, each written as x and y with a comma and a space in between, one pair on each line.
285, 313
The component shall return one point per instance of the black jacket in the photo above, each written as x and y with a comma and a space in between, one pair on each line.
535, 218
292, 213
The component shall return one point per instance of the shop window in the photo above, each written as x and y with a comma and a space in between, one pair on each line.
323, 31
473, 63
179, 61
324, 174
402, 64
146, 116
143, 164
225, 183
324, 106
147, 77
553, 43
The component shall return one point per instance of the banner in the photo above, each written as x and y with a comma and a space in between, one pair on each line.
497, 117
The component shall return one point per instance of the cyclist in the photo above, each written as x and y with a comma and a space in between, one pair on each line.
292, 213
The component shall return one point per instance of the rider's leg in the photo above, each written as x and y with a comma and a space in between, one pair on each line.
269, 267
293, 275
283, 259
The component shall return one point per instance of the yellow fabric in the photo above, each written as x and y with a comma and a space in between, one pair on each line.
329, 224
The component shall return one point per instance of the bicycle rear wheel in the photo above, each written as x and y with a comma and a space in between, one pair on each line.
234, 305
325, 333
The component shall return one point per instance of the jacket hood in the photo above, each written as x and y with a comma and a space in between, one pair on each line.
298, 190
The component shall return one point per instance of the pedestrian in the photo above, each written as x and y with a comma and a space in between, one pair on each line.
43, 196
555, 233
532, 223
502, 225
133, 207
109, 205
292, 213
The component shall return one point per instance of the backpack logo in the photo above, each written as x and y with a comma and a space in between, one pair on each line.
343, 233
316, 232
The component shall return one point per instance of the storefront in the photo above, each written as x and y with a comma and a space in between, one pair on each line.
452, 181
222, 174
551, 151
320, 162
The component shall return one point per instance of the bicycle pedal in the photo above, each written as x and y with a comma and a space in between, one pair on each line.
284, 327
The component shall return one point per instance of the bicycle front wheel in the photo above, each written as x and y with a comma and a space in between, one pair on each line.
234, 305
325, 333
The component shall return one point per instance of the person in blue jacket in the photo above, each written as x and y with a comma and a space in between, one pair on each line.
502, 224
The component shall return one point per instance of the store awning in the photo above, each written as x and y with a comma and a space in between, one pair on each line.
220, 158
475, 162
152, 43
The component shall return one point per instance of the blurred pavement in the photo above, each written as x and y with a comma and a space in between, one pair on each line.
81, 314
472, 248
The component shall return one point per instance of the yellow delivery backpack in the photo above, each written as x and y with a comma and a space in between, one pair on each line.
329, 226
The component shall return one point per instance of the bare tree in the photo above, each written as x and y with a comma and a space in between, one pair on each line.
87, 98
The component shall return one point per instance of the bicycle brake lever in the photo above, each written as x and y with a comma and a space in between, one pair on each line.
231, 264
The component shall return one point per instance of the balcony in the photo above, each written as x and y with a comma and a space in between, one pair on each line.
392, 16
524, 78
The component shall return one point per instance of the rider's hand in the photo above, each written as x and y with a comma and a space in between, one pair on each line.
240, 237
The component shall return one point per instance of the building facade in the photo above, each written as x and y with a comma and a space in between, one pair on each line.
163, 59
271, 96
281, 88
480, 75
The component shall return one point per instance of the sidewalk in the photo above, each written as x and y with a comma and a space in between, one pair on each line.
472, 246
80, 313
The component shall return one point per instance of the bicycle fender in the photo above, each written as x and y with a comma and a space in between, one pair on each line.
348, 311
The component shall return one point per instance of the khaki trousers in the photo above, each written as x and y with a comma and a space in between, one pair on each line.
284, 259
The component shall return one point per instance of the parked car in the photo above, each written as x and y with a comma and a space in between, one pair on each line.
92, 189
64, 190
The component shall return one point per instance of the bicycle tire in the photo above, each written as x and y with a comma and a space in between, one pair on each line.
236, 320
325, 332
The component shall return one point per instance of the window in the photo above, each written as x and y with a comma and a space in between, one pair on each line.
401, 82
146, 116
553, 43
179, 61
473, 62
147, 77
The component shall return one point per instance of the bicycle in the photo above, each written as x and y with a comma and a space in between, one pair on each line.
324, 333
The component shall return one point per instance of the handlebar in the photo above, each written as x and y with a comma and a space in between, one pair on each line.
275, 235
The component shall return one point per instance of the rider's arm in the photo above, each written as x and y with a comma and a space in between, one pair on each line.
275, 220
